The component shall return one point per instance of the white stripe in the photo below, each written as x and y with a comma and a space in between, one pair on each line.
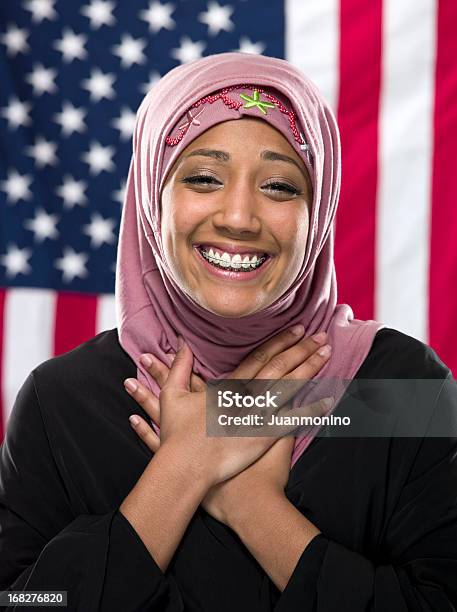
28, 338
312, 43
405, 159
106, 315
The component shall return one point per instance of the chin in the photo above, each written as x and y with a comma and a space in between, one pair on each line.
228, 310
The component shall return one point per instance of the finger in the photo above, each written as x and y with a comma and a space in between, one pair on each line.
311, 366
181, 368
258, 362
259, 357
158, 370
285, 362
197, 383
146, 433
291, 383
145, 398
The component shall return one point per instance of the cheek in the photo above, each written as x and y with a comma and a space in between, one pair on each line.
293, 232
181, 215
183, 221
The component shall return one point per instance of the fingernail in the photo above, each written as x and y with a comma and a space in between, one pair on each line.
130, 384
297, 330
180, 342
146, 360
325, 351
320, 337
134, 420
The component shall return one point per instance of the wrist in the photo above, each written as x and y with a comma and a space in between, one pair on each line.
249, 504
187, 466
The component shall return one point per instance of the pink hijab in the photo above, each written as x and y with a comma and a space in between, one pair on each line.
152, 309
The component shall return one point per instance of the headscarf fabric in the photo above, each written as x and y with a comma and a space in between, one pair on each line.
151, 307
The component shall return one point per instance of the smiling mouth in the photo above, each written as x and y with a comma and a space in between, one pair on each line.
225, 271
237, 263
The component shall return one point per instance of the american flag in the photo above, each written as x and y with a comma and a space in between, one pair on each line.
72, 75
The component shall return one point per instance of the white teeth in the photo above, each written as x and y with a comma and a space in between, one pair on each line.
226, 260
236, 261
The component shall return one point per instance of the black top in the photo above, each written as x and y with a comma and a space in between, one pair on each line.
386, 506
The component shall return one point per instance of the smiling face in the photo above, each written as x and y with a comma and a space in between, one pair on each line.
239, 190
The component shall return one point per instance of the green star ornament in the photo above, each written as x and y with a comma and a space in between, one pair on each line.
255, 101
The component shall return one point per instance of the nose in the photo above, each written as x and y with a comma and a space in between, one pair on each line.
238, 211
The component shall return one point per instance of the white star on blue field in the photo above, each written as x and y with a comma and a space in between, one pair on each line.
73, 75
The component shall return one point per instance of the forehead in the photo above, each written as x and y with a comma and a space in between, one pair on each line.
252, 133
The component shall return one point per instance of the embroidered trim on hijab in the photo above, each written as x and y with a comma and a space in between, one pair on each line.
250, 101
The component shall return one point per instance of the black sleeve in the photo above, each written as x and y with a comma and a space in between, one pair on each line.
417, 570
99, 559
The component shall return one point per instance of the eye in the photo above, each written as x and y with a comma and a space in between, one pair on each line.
207, 179
200, 179
284, 187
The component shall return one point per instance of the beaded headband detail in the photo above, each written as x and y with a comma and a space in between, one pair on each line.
264, 106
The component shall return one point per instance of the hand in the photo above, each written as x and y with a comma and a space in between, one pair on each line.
282, 356
265, 477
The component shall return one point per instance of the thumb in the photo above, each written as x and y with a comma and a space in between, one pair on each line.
181, 368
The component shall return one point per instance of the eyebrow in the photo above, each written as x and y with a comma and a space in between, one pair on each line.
266, 155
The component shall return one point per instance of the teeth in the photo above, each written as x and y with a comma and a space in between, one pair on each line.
226, 260
236, 261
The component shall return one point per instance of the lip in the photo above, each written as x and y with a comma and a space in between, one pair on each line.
230, 275
231, 247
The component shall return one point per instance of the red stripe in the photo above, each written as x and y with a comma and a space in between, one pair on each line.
443, 254
2, 336
75, 320
358, 109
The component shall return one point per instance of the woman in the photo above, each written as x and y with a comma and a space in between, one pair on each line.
233, 154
